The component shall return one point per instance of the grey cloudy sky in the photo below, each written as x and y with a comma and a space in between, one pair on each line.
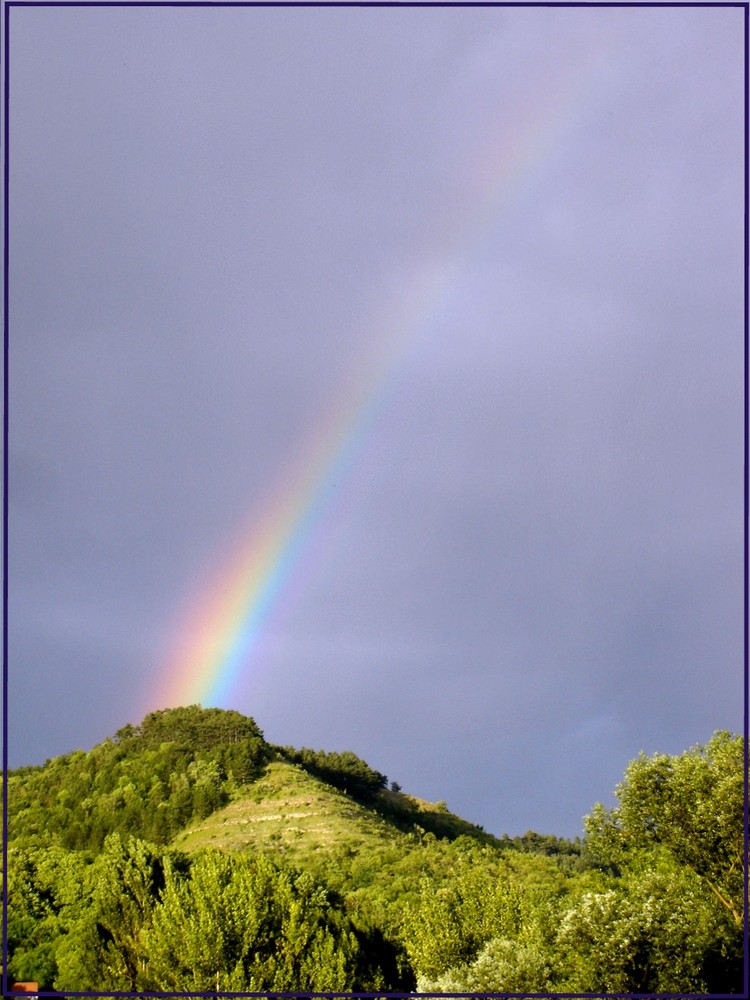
531, 567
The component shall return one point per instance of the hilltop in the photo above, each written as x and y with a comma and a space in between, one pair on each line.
182, 773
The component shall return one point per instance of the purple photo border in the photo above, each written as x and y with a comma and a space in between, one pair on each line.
7, 4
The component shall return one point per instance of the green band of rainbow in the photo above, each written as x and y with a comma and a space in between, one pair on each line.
224, 622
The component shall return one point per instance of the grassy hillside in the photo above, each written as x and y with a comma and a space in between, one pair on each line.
293, 814
290, 813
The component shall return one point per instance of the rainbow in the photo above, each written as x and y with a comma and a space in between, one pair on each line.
223, 624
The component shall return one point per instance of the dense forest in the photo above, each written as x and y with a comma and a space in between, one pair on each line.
189, 854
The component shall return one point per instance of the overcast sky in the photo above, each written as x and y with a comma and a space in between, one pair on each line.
528, 223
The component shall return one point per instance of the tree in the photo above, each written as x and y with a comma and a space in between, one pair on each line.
649, 931
692, 806
503, 965
244, 924
105, 948
676, 840
457, 915
344, 770
43, 899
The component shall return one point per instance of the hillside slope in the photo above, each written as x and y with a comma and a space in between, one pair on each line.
289, 812
292, 813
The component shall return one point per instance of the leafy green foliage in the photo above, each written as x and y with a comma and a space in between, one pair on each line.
569, 854
647, 932
150, 781
144, 918
44, 890
329, 881
243, 924
482, 929
342, 770
105, 946
691, 806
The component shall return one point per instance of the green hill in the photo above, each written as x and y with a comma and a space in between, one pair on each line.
189, 854
184, 773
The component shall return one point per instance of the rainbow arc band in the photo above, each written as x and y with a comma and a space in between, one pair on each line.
224, 622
